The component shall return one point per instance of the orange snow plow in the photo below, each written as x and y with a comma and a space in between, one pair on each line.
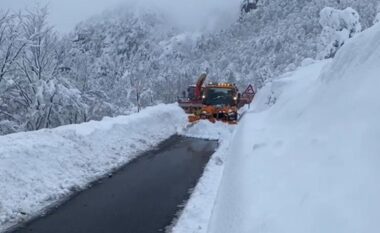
220, 101
216, 101
193, 102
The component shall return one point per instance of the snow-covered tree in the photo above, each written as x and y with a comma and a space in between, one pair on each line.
338, 27
10, 43
44, 97
377, 17
33, 94
248, 5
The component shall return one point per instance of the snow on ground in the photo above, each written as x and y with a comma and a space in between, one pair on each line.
204, 129
38, 169
197, 212
310, 162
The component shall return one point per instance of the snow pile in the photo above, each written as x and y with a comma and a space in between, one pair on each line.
197, 212
37, 169
310, 162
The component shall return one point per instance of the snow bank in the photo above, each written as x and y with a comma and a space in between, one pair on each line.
310, 163
38, 169
197, 212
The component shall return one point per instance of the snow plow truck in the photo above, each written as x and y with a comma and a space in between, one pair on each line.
215, 101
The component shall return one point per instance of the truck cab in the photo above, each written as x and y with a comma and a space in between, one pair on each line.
220, 102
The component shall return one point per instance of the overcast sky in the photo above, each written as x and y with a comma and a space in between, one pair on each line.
194, 14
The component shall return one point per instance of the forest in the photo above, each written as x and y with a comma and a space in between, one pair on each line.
120, 62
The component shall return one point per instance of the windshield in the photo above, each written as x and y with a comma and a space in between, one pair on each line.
219, 96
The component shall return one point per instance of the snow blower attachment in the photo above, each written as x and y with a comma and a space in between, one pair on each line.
215, 101
193, 102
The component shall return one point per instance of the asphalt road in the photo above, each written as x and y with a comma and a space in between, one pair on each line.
142, 197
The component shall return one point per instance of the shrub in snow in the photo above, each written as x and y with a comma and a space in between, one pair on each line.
338, 27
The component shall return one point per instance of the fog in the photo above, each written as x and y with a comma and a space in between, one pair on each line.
192, 15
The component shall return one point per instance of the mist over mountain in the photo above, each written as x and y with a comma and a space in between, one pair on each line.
194, 15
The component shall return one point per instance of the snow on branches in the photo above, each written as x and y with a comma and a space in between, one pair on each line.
33, 94
338, 27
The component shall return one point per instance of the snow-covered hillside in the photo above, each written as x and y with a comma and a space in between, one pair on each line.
39, 168
138, 56
310, 162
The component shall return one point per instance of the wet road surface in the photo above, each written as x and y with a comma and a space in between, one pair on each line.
143, 197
